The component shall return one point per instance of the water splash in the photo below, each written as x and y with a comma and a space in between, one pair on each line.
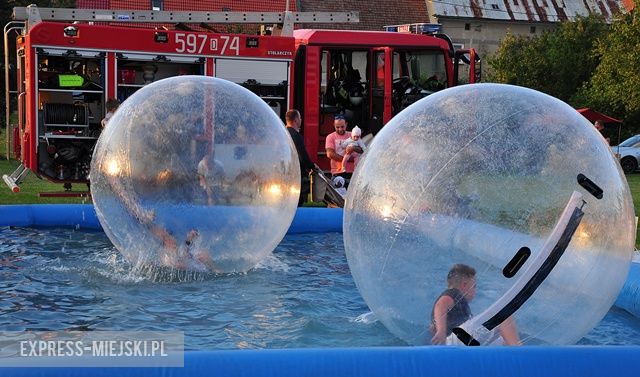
273, 263
366, 318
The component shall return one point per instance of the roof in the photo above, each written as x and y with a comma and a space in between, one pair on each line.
526, 10
374, 14
196, 6
366, 38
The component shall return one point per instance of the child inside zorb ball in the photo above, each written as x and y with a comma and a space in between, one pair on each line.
177, 185
452, 310
507, 180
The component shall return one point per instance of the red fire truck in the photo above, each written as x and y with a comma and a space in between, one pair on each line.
71, 61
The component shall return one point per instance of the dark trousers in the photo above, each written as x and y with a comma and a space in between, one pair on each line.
305, 189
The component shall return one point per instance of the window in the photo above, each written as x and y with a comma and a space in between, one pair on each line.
495, 6
426, 69
532, 29
346, 70
156, 4
467, 26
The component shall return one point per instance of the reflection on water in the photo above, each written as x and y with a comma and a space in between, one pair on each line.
302, 296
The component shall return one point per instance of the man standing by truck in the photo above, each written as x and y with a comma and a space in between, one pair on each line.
294, 120
336, 149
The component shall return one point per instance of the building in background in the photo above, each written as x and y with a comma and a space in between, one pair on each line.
482, 23
479, 24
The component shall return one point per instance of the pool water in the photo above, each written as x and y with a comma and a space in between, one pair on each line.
302, 296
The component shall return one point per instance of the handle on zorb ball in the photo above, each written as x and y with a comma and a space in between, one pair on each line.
477, 330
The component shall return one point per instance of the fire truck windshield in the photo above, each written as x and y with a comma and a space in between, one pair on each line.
425, 69
416, 74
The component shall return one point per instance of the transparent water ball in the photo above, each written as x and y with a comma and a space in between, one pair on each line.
195, 173
478, 175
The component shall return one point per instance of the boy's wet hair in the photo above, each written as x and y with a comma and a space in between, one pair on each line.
458, 272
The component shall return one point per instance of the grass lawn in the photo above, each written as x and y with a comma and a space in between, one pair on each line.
634, 186
31, 186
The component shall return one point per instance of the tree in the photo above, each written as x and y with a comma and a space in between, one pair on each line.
615, 84
557, 62
516, 62
573, 53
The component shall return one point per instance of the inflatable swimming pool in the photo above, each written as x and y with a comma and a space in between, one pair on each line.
383, 361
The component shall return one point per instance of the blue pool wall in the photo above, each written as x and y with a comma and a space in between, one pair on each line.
381, 362
83, 216
370, 362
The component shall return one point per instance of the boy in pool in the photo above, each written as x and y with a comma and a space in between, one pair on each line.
188, 255
452, 308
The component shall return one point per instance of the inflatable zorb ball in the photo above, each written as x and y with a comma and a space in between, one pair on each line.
509, 181
195, 173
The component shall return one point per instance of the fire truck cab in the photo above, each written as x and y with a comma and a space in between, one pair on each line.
68, 67
367, 76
